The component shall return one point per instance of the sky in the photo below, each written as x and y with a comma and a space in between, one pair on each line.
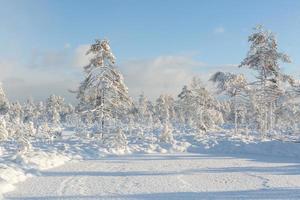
159, 44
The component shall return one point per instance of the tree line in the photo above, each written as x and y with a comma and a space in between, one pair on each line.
265, 106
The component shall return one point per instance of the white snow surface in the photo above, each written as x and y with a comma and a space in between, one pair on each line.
17, 166
165, 176
212, 166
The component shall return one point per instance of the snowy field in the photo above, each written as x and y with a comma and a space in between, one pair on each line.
215, 167
166, 176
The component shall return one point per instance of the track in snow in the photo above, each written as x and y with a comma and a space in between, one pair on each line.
161, 176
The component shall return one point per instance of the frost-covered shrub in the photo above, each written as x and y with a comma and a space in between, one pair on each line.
29, 129
140, 133
43, 130
20, 136
4, 104
3, 130
117, 140
49, 133
167, 134
24, 143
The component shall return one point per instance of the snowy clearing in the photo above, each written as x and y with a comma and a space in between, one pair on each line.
161, 176
214, 165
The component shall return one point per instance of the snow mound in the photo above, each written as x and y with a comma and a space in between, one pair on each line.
16, 166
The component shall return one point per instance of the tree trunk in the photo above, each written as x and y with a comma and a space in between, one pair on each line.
102, 114
271, 116
235, 117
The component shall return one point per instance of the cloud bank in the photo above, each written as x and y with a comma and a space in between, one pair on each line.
43, 74
164, 74
56, 72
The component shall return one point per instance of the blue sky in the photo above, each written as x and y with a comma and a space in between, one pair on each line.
43, 42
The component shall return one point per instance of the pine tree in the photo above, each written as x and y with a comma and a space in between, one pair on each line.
197, 108
16, 113
29, 109
103, 92
235, 87
144, 114
167, 133
54, 107
206, 107
3, 130
264, 58
4, 104
185, 108
164, 108
29, 129
42, 113
120, 140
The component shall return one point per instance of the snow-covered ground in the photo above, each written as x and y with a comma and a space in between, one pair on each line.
166, 176
214, 165
16, 166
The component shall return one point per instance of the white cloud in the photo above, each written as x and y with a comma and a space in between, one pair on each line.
58, 71
80, 58
168, 74
219, 30
164, 74
22, 89
45, 73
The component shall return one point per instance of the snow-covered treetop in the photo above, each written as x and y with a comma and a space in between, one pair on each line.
103, 91
263, 55
185, 92
103, 55
228, 82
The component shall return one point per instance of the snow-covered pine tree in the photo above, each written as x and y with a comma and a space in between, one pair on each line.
4, 104
119, 141
29, 110
235, 86
167, 133
264, 58
4, 117
3, 129
206, 107
66, 111
184, 107
44, 131
142, 107
54, 107
16, 114
196, 107
42, 114
103, 92
153, 118
164, 108
24, 143
144, 110
29, 129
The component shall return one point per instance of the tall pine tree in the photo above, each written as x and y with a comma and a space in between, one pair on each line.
103, 92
